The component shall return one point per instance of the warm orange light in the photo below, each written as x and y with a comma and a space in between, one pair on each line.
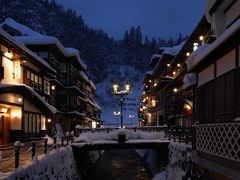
155, 84
49, 120
20, 99
127, 87
178, 65
201, 38
115, 87
174, 73
188, 54
175, 90
53, 87
188, 107
4, 110
168, 65
150, 80
17, 70
16, 113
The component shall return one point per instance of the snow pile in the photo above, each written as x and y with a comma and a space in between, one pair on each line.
83, 139
196, 57
98, 136
189, 80
90, 137
24, 30
121, 132
179, 156
160, 176
173, 51
152, 135
59, 164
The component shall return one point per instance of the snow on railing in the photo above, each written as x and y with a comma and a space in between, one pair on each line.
175, 134
21, 155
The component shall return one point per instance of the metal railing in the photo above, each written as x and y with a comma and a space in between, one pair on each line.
19, 157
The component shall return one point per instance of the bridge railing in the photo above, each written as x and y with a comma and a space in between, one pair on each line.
175, 134
181, 134
135, 129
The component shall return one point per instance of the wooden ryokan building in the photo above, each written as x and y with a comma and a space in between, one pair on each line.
44, 82
205, 91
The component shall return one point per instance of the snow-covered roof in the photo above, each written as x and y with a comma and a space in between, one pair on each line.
75, 113
83, 75
24, 30
189, 80
173, 51
24, 48
156, 56
97, 106
189, 102
49, 40
89, 101
31, 37
148, 73
8, 87
92, 85
197, 56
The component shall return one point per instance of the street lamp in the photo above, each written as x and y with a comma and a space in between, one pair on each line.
117, 114
121, 93
131, 116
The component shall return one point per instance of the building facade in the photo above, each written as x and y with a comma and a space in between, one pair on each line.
203, 92
42, 83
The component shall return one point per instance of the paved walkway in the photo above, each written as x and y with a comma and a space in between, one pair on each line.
119, 165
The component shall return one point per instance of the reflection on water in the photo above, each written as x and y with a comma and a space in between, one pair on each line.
118, 165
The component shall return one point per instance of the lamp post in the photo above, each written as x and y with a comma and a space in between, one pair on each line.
131, 116
121, 93
117, 114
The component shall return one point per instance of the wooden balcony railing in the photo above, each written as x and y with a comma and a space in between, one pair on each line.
221, 139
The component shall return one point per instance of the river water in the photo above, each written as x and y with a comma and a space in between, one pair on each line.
118, 165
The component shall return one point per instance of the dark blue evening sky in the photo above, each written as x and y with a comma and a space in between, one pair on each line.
164, 18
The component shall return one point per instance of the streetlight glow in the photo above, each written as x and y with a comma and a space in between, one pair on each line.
121, 93
127, 87
115, 87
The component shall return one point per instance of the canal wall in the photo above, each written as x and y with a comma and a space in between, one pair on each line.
170, 163
58, 164
180, 161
